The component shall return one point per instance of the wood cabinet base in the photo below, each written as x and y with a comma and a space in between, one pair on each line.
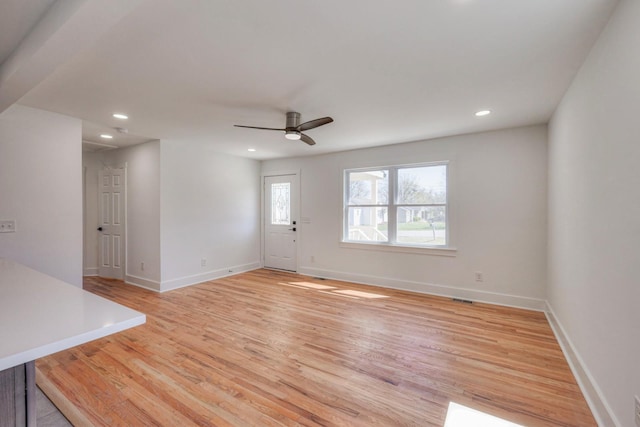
18, 396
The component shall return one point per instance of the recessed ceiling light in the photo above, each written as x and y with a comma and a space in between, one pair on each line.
120, 116
483, 113
251, 149
106, 136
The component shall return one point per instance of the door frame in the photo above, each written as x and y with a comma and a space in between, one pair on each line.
85, 243
263, 208
124, 167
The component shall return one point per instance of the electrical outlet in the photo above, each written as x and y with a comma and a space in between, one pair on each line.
637, 407
142, 266
313, 259
479, 276
8, 226
203, 262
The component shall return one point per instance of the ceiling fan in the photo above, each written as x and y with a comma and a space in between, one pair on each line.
293, 128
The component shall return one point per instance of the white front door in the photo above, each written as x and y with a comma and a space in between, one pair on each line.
111, 229
280, 221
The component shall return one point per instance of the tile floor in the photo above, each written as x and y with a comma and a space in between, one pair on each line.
47, 414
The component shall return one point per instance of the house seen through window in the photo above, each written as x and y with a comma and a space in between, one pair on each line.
397, 205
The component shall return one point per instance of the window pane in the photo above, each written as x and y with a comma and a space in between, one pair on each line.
368, 224
281, 203
369, 188
422, 225
422, 185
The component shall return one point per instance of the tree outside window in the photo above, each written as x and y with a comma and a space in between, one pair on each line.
399, 205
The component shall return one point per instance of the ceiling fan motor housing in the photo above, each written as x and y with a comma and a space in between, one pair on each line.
293, 120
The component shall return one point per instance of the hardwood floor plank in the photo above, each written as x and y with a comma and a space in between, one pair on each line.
269, 348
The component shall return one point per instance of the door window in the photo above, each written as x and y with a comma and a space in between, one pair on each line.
281, 203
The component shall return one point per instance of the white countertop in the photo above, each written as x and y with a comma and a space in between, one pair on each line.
40, 315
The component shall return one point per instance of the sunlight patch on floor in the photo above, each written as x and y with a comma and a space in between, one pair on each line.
331, 290
337, 295
360, 294
463, 416
311, 285
302, 287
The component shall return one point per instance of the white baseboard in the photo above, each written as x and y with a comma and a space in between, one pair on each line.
431, 289
90, 271
209, 275
595, 399
151, 285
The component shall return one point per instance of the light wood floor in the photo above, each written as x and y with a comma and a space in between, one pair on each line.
262, 349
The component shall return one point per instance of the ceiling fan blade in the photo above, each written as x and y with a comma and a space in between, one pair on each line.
314, 123
256, 127
307, 139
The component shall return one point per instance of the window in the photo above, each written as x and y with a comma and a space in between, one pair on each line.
397, 205
281, 203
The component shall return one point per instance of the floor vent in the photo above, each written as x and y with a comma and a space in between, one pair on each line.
465, 301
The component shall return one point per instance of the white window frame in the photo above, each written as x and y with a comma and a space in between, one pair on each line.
392, 205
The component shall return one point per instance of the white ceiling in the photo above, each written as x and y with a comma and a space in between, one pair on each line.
387, 72
17, 18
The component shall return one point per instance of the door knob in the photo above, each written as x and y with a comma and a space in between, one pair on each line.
99, 228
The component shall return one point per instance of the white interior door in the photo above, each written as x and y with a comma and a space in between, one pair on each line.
111, 246
281, 199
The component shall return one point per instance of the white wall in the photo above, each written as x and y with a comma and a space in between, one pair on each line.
143, 210
594, 216
41, 188
498, 209
184, 203
210, 205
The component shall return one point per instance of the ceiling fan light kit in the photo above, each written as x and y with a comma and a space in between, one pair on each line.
293, 135
293, 129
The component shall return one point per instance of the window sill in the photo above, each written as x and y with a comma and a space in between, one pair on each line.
387, 247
